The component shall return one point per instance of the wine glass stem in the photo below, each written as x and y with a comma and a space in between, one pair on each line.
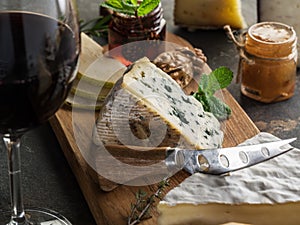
14, 170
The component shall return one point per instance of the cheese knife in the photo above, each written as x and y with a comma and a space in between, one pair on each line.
224, 160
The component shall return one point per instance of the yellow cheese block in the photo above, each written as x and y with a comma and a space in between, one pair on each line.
208, 13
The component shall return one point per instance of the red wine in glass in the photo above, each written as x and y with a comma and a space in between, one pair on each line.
38, 58
38, 62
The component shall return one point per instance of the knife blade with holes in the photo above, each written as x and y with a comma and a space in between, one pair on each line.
223, 160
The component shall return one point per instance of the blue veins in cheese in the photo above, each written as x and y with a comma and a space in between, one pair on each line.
148, 108
265, 194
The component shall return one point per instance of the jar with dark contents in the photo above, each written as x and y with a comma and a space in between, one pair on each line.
133, 37
269, 62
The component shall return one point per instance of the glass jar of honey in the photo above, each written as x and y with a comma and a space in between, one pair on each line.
143, 32
268, 62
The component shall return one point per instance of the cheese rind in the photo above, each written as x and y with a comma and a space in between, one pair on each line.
216, 214
209, 13
265, 194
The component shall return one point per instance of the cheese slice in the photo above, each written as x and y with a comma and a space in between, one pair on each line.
265, 194
209, 13
148, 108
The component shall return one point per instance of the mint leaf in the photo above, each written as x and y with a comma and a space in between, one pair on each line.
130, 4
131, 7
218, 79
113, 4
223, 76
203, 98
133, 2
147, 6
120, 6
204, 84
214, 105
218, 108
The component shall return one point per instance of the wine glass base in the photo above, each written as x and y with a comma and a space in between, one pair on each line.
37, 216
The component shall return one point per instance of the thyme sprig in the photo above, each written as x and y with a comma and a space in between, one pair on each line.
141, 209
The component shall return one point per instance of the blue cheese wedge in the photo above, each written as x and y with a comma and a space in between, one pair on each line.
148, 108
265, 194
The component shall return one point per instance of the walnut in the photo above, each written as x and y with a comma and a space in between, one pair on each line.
182, 64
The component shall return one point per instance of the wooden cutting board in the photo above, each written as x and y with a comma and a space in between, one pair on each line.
112, 207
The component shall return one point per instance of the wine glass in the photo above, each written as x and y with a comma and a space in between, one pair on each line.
40, 45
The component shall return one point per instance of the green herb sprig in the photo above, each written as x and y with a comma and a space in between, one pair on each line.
218, 79
96, 27
140, 210
131, 7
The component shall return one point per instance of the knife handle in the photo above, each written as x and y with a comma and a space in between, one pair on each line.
138, 152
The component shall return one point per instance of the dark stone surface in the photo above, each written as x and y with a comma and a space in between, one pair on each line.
48, 180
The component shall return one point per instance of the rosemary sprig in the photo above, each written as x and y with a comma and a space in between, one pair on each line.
96, 27
140, 210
